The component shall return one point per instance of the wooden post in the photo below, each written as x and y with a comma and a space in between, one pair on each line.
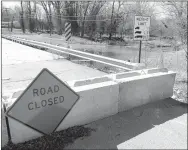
7, 123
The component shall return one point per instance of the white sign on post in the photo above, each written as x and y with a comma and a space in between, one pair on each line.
141, 28
44, 104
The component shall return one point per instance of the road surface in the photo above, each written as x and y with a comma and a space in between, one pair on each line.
159, 125
21, 64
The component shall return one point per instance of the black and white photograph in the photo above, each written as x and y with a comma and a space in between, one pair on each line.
98, 74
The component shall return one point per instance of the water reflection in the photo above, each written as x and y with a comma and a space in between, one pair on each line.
117, 52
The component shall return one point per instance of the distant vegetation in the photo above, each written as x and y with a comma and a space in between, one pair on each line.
96, 19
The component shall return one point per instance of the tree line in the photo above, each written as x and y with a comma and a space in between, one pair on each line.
98, 18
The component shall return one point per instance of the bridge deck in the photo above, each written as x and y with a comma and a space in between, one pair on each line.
20, 64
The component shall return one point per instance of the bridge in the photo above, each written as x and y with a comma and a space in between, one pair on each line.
112, 94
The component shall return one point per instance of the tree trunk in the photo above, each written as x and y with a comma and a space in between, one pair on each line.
82, 31
12, 23
50, 17
71, 13
110, 35
57, 7
59, 18
83, 23
22, 22
29, 10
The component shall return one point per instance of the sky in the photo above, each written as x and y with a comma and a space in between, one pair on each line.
158, 10
10, 4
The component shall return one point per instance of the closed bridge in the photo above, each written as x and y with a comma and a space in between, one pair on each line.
128, 66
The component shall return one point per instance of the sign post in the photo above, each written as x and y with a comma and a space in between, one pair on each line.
140, 46
44, 104
141, 30
67, 32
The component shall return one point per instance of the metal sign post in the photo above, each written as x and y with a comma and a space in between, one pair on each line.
140, 46
141, 30
161, 63
7, 123
67, 32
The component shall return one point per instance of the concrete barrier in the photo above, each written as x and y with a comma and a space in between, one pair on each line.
12, 95
91, 81
105, 96
4, 135
96, 101
128, 74
21, 133
156, 70
140, 90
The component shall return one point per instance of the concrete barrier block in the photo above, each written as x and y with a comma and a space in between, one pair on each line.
70, 83
21, 133
127, 74
12, 95
91, 81
161, 86
145, 89
96, 102
100, 100
156, 70
4, 135
139, 66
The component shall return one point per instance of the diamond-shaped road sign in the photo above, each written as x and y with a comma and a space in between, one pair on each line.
44, 103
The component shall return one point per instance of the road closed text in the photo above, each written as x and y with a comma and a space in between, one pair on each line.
45, 102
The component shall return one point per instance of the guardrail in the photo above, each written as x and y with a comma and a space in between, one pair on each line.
128, 66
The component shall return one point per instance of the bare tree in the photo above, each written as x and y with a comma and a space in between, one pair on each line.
57, 7
178, 13
110, 34
71, 9
22, 17
84, 17
12, 25
29, 16
47, 8
94, 10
